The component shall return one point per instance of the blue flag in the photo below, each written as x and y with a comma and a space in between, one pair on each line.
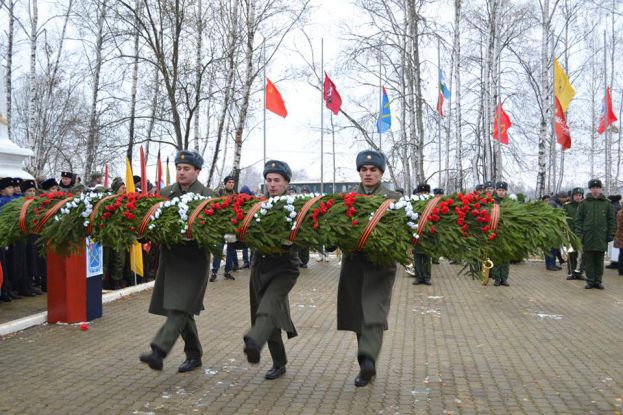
384, 122
443, 87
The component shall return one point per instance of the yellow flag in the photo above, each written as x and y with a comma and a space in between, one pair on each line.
136, 250
562, 87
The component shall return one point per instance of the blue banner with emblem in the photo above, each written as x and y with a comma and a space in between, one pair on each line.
95, 258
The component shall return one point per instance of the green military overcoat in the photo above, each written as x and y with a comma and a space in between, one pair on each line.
272, 278
365, 289
594, 223
183, 269
571, 209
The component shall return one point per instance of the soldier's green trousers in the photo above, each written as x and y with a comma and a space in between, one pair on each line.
264, 331
370, 340
500, 272
594, 265
179, 323
422, 264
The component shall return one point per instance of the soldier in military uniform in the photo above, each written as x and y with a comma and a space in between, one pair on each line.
365, 288
272, 278
49, 185
479, 188
422, 262
571, 208
67, 181
438, 191
489, 187
500, 272
595, 226
6, 196
17, 190
181, 279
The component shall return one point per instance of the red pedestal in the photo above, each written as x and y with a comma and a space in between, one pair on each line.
67, 287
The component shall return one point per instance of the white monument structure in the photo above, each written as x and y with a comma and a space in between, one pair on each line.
11, 156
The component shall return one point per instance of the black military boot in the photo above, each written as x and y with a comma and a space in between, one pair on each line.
252, 350
497, 282
505, 283
275, 372
189, 364
366, 372
154, 358
213, 277
228, 276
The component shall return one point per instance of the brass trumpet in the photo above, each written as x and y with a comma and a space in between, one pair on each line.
486, 269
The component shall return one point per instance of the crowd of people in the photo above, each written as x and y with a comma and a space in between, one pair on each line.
182, 271
597, 220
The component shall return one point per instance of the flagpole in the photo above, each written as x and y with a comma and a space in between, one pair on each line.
439, 114
498, 144
333, 145
553, 122
606, 113
264, 112
380, 102
321, 115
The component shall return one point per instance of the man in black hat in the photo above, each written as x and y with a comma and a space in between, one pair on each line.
6, 196
67, 181
181, 279
423, 189
17, 190
49, 185
500, 272
479, 188
595, 226
272, 278
34, 263
231, 260
28, 188
489, 187
365, 288
571, 208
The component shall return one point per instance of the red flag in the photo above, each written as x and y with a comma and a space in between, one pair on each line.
159, 174
562, 129
274, 102
440, 105
606, 108
504, 123
106, 176
143, 173
331, 97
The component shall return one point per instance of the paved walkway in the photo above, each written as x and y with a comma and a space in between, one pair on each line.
542, 346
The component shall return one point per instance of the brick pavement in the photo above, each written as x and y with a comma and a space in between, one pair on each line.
543, 346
